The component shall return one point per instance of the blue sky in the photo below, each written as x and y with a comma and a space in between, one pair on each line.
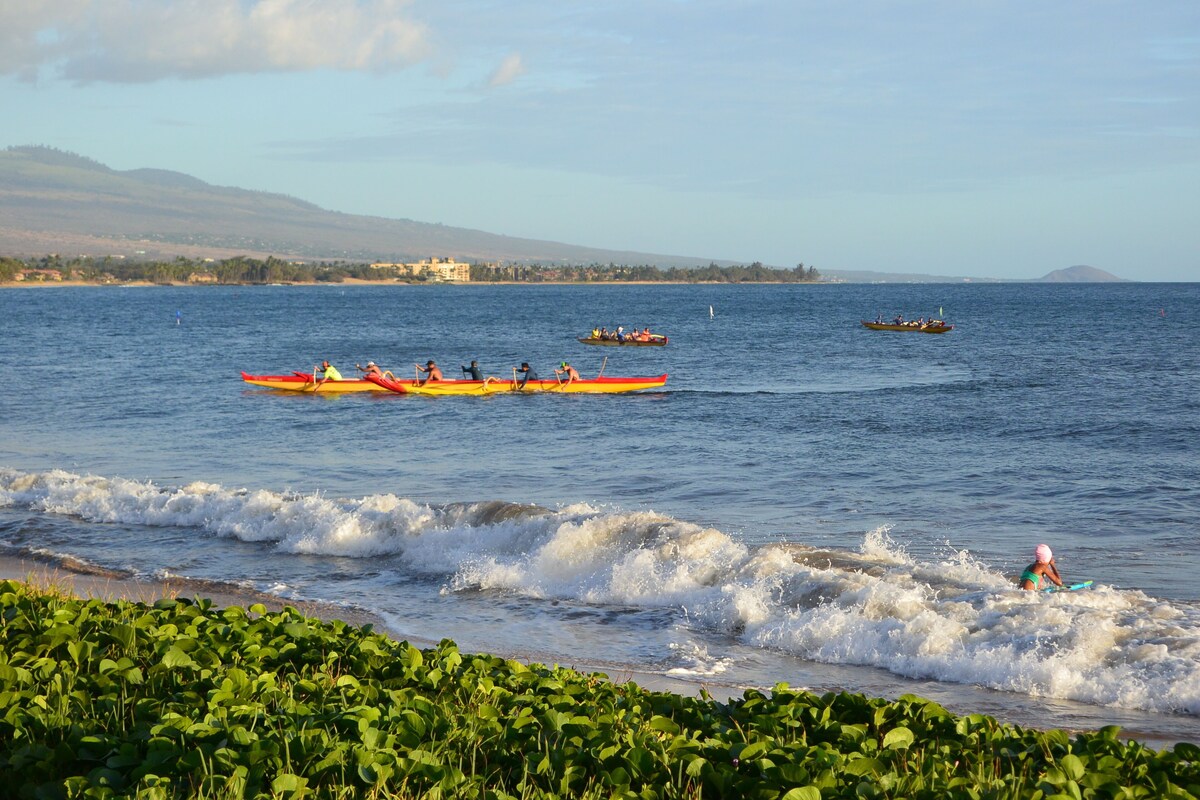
991, 139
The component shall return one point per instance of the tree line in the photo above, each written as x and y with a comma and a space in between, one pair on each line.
245, 270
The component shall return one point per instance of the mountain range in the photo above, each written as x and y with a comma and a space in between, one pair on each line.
52, 201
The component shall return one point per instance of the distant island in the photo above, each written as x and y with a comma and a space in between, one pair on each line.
1080, 274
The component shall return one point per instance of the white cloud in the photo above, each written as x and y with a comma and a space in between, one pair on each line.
145, 40
509, 70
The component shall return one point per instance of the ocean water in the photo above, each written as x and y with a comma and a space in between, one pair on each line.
806, 501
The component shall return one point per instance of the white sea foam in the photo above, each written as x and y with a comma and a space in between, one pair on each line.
953, 620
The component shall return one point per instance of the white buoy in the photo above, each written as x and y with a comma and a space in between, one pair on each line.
710, 312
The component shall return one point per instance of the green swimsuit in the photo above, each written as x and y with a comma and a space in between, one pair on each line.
1032, 577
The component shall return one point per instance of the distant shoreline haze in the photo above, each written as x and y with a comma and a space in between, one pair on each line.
51, 271
55, 202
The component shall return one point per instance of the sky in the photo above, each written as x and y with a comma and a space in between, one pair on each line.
985, 138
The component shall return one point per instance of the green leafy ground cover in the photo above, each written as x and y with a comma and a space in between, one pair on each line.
184, 699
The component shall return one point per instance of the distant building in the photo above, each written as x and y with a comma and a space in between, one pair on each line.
202, 277
42, 275
437, 269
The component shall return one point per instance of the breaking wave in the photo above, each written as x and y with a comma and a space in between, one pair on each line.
954, 620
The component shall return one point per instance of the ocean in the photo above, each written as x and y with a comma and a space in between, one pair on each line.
805, 502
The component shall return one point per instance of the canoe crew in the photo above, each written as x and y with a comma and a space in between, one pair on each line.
474, 371
330, 372
1043, 564
370, 369
527, 374
431, 370
570, 372
595, 333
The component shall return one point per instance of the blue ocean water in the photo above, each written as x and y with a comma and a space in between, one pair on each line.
806, 501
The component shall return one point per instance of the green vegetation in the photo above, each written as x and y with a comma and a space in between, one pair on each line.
609, 273
243, 270
184, 700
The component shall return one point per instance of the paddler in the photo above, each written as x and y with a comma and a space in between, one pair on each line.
474, 371
329, 373
527, 374
570, 372
431, 370
370, 369
1043, 565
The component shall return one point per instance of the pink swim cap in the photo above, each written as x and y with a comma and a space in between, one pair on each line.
1042, 553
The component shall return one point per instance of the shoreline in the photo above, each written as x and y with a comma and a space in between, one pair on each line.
89, 582
362, 282
84, 581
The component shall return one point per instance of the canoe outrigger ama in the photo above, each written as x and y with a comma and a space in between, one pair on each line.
492, 385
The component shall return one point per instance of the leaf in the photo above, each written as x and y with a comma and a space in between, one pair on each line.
288, 782
176, 658
803, 793
864, 766
752, 751
898, 739
1072, 766
665, 724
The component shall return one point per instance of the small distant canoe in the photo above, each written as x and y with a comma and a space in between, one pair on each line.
656, 340
492, 385
303, 382
888, 326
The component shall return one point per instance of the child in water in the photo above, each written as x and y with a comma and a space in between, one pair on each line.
1043, 564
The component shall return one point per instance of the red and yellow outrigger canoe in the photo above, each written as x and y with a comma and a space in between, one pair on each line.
492, 385
303, 382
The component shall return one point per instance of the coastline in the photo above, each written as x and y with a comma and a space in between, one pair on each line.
83, 581
394, 282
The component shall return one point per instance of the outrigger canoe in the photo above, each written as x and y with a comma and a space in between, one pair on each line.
655, 340
891, 326
304, 382
492, 385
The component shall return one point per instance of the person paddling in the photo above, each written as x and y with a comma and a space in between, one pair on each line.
474, 371
1043, 565
328, 373
567, 371
432, 372
370, 369
527, 374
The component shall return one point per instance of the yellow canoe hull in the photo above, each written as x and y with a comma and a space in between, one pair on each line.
299, 382
490, 386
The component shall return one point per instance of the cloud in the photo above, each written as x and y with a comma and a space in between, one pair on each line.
145, 40
509, 70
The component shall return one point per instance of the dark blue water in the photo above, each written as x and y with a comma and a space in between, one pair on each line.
806, 500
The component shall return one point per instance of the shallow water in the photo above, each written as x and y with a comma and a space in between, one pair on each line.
806, 501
